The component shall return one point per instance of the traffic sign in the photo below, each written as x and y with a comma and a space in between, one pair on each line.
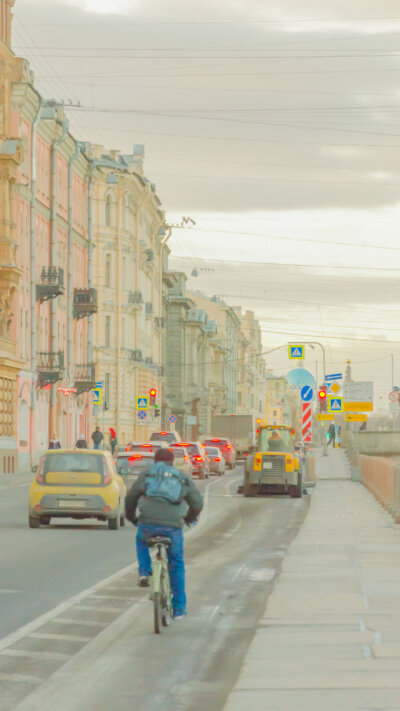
172, 418
394, 396
334, 388
142, 403
361, 391
97, 396
296, 352
142, 415
333, 376
358, 406
324, 417
335, 404
306, 393
356, 418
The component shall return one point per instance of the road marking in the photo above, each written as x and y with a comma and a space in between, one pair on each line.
84, 623
23, 678
33, 653
9, 592
63, 637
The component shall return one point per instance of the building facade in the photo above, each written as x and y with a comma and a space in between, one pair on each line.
251, 396
128, 239
11, 156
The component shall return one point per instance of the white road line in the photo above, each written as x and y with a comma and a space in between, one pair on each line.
9, 592
62, 607
23, 678
35, 654
63, 637
83, 623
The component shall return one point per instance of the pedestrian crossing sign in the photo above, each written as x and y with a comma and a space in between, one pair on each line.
142, 403
296, 352
335, 404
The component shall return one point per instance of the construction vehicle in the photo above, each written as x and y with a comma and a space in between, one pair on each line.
274, 467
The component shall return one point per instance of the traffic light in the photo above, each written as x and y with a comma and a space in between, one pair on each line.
157, 411
152, 393
322, 398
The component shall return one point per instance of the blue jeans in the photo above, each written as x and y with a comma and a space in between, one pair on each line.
176, 563
96, 445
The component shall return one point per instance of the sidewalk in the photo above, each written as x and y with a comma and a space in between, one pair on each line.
9, 480
330, 635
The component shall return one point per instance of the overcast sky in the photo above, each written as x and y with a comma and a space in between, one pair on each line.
275, 125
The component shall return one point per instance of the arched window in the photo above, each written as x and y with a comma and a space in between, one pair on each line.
108, 211
108, 270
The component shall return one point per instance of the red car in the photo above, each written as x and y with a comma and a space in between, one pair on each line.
198, 457
226, 448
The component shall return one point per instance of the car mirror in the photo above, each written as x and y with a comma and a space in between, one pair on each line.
34, 469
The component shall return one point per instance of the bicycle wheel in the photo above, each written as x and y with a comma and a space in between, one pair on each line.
157, 613
166, 613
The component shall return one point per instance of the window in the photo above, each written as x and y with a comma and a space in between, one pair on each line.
274, 413
108, 210
107, 393
108, 270
107, 334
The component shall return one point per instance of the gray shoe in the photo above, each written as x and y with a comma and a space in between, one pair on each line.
143, 581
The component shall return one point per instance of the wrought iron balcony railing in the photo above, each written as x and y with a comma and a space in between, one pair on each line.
135, 297
85, 302
50, 367
51, 283
85, 377
136, 356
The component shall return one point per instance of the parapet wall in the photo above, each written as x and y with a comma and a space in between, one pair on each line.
378, 443
381, 477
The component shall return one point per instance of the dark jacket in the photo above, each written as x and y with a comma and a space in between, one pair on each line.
54, 444
97, 436
81, 444
159, 512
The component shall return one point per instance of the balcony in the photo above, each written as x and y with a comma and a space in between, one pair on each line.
51, 283
159, 322
136, 356
135, 298
85, 303
149, 362
85, 377
50, 367
148, 308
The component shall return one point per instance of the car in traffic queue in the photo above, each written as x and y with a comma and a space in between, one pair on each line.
275, 465
198, 458
78, 484
226, 448
182, 459
132, 463
170, 437
151, 447
216, 460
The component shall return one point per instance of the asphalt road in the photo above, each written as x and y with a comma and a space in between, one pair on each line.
100, 642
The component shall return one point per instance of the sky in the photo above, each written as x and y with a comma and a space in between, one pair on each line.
275, 126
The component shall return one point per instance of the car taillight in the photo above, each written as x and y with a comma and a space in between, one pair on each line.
185, 457
39, 478
126, 449
228, 446
198, 458
146, 445
258, 460
217, 459
135, 456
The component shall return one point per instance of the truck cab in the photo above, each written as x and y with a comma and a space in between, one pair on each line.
275, 465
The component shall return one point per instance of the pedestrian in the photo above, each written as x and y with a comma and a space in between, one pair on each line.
97, 437
331, 434
167, 499
113, 440
81, 442
54, 442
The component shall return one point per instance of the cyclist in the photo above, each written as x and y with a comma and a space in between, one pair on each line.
160, 517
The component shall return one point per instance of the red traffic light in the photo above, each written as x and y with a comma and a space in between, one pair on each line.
322, 398
152, 392
322, 394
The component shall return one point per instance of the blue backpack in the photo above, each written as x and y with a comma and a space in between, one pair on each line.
164, 482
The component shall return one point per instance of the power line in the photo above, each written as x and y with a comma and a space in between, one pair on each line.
287, 264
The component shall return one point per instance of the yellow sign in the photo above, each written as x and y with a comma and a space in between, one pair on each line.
335, 388
296, 352
335, 404
325, 418
356, 418
358, 406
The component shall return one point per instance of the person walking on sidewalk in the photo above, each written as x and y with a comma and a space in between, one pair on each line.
113, 440
97, 437
159, 516
331, 435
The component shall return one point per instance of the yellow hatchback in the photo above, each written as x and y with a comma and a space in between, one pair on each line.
79, 484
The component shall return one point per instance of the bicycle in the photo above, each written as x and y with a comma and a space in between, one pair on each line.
160, 583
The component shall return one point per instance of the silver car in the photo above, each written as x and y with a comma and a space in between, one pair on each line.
216, 460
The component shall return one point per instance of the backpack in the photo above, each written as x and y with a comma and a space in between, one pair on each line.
164, 482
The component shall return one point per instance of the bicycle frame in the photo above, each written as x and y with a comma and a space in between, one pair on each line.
161, 588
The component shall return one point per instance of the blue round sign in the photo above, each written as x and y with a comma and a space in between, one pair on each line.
306, 393
142, 415
172, 418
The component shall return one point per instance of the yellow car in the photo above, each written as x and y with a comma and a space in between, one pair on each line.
77, 483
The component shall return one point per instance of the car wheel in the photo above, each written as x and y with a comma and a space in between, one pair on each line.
296, 492
113, 523
45, 521
122, 520
34, 522
250, 490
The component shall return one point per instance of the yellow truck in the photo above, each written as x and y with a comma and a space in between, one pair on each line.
275, 465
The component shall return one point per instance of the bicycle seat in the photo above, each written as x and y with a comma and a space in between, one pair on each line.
158, 541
